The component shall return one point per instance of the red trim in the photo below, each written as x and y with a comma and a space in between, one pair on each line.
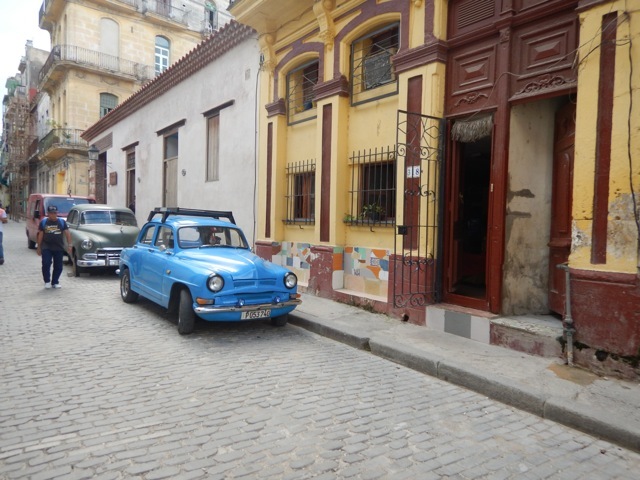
267, 213
603, 138
412, 202
325, 191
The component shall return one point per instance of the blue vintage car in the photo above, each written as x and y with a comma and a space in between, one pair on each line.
198, 263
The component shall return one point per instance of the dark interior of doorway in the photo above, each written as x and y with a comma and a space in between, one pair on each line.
471, 226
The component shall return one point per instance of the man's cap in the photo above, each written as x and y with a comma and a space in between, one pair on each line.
52, 208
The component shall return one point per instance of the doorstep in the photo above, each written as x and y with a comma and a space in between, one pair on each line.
533, 334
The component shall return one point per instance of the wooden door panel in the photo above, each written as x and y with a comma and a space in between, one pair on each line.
561, 203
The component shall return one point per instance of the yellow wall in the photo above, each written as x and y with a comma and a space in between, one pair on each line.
362, 127
622, 237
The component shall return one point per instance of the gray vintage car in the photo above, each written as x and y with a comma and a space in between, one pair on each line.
98, 235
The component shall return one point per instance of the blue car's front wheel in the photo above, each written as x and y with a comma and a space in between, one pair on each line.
186, 315
280, 321
128, 295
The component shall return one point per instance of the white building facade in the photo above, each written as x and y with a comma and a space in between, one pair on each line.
187, 139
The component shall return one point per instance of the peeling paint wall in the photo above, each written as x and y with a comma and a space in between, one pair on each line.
528, 214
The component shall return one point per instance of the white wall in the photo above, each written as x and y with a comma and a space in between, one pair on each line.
232, 76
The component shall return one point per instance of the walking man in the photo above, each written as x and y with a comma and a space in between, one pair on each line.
3, 220
51, 246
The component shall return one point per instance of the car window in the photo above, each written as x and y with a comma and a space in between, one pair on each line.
64, 204
125, 218
147, 236
95, 217
108, 217
73, 217
165, 237
221, 236
190, 237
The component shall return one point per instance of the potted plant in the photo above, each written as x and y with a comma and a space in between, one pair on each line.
372, 211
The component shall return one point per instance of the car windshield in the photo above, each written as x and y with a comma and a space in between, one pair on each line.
65, 204
202, 237
110, 217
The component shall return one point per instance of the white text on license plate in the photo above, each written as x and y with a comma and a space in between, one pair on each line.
250, 315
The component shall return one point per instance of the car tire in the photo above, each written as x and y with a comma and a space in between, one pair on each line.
30, 245
186, 315
280, 321
128, 295
74, 266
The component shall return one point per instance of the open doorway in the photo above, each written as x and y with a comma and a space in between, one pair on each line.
466, 223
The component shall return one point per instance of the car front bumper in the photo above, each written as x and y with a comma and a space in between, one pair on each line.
101, 262
209, 309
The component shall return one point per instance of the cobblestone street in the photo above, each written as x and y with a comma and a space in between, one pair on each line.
92, 387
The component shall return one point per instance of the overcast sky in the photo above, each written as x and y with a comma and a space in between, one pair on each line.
18, 23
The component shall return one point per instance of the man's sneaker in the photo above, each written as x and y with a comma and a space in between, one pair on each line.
47, 285
57, 285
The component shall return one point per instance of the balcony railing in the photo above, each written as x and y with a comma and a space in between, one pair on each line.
163, 8
62, 138
91, 58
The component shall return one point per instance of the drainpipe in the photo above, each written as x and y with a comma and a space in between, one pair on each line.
567, 321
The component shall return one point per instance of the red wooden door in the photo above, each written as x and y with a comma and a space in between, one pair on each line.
561, 200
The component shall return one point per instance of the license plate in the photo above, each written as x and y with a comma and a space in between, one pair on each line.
253, 314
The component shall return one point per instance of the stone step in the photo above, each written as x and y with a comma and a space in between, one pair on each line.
533, 334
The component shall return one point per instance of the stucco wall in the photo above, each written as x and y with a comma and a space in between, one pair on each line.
622, 231
528, 214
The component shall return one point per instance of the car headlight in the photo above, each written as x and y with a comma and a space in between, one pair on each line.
215, 283
290, 280
86, 244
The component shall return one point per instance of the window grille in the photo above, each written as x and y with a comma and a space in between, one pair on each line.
301, 192
373, 187
371, 65
301, 104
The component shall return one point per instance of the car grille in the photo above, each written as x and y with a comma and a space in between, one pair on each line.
109, 253
253, 283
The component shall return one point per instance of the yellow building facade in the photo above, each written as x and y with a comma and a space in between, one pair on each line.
329, 155
440, 161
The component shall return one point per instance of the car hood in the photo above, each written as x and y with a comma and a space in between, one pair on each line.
239, 263
107, 235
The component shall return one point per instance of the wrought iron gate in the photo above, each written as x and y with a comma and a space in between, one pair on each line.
418, 240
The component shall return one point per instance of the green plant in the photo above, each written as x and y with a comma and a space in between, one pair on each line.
372, 211
348, 218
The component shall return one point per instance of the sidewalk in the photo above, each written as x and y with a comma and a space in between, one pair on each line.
604, 407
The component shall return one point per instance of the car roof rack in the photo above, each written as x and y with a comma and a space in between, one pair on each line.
190, 212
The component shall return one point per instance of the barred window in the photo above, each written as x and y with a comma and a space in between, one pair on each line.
373, 187
301, 191
301, 103
371, 66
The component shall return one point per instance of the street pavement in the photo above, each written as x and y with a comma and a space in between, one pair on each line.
91, 387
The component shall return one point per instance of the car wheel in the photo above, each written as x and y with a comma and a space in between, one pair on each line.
280, 321
128, 295
76, 269
186, 315
31, 245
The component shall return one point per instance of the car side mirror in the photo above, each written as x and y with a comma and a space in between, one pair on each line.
36, 215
